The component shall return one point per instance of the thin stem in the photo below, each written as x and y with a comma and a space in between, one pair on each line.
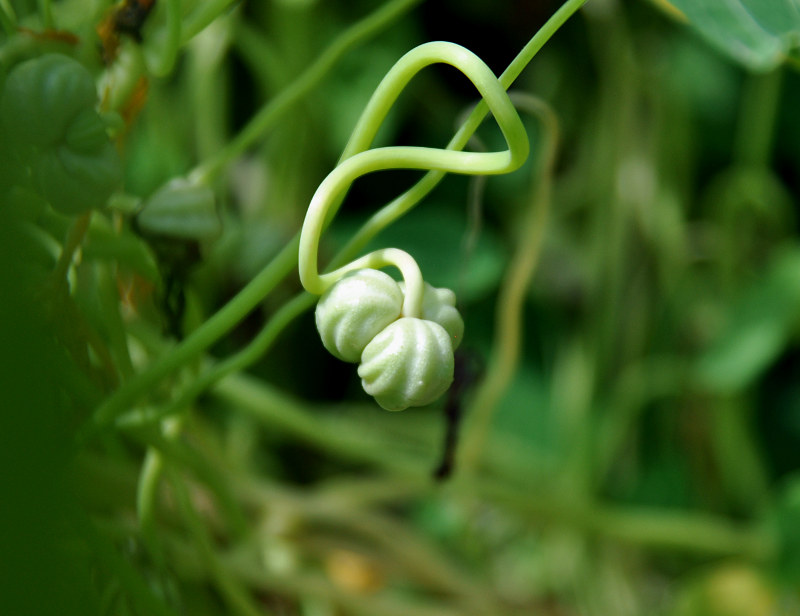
204, 336
46, 13
358, 160
758, 112
149, 482
647, 527
236, 362
162, 61
412, 276
206, 12
266, 118
403, 203
511, 299
8, 18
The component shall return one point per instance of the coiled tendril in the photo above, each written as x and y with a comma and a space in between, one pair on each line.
403, 334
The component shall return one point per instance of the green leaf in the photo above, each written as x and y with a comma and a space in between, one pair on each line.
759, 327
758, 34
52, 131
785, 522
181, 210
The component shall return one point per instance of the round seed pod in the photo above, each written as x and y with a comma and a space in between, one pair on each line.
439, 306
354, 310
409, 363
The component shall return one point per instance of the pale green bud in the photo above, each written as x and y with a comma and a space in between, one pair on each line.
439, 306
355, 309
409, 363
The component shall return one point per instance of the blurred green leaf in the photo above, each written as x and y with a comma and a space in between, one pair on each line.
181, 210
756, 33
759, 327
786, 523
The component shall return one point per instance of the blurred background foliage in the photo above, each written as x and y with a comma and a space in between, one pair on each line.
639, 451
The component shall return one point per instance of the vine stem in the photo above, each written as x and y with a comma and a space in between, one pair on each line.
651, 527
508, 322
308, 80
361, 161
8, 18
249, 297
400, 205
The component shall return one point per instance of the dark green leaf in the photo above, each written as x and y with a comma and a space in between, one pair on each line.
759, 327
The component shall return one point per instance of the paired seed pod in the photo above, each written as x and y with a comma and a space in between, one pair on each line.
404, 361
53, 136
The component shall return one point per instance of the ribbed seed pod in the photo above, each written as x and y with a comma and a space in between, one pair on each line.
409, 363
439, 306
354, 310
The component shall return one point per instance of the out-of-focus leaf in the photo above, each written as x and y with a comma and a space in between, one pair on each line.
759, 327
728, 589
181, 210
785, 519
756, 33
125, 248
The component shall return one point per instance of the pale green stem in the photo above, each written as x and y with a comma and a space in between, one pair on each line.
239, 361
204, 336
149, 482
400, 205
358, 160
511, 299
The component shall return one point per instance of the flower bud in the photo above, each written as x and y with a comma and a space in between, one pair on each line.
354, 310
409, 363
439, 306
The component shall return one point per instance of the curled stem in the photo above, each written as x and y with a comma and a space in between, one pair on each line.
358, 161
